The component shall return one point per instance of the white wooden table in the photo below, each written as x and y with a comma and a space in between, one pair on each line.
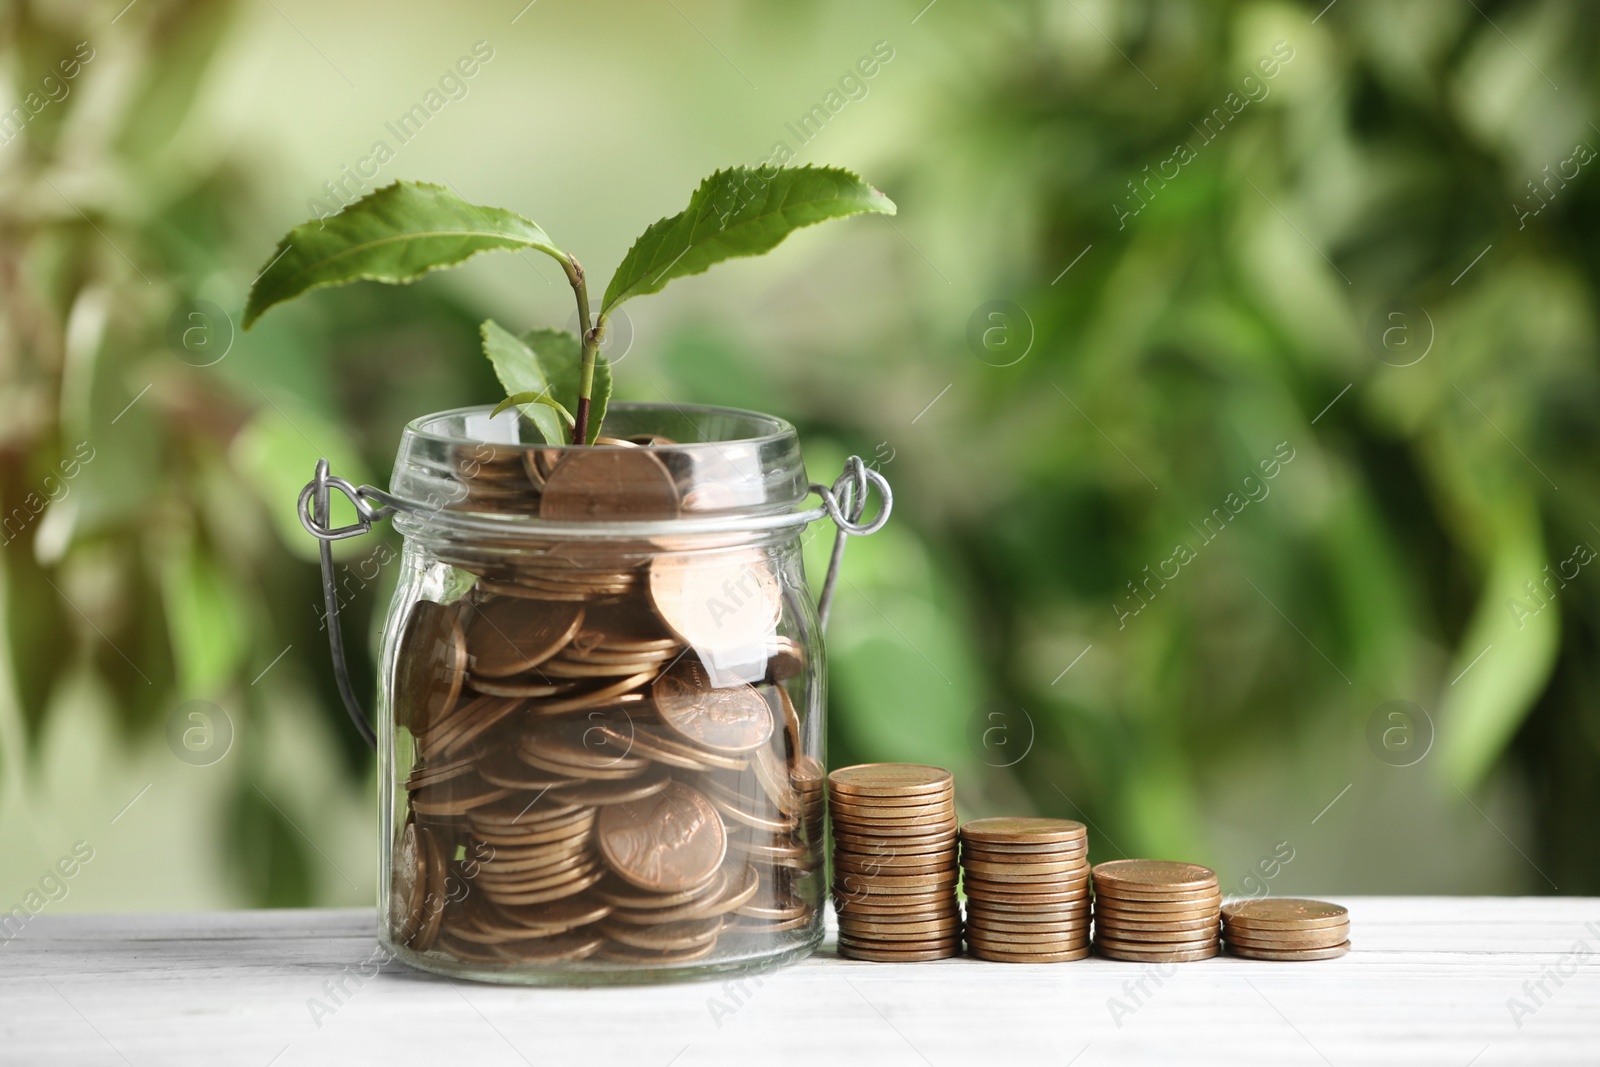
1430, 980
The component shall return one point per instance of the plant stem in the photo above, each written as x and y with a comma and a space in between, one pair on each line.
580, 287
591, 344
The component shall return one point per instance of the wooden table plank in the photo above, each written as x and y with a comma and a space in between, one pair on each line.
1430, 981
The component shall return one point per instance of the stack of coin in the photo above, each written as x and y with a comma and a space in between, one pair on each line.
1284, 928
1027, 887
894, 862
1156, 911
608, 763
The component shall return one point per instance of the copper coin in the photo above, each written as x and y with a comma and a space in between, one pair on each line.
1023, 830
577, 945
609, 483
1068, 871
1028, 957
455, 797
542, 896
1279, 940
1332, 952
729, 719
620, 894
1029, 928
940, 926
1163, 928
1148, 876
1025, 853
505, 769
1123, 945
430, 667
554, 917
941, 952
507, 636
1067, 942
869, 868
1163, 911
940, 841
889, 780
433, 898
878, 903
667, 842
1162, 937
1286, 912
1158, 956
725, 600
408, 885
892, 807
601, 793
520, 882
617, 952
665, 937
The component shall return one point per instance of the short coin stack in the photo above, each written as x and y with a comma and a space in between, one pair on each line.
1284, 928
894, 862
1156, 911
1027, 886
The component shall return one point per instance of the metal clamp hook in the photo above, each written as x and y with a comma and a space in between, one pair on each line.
846, 501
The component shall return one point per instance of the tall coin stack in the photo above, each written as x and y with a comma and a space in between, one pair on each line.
602, 770
894, 862
1285, 928
1156, 911
1027, 887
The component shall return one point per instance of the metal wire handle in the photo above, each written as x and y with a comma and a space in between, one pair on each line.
845, 502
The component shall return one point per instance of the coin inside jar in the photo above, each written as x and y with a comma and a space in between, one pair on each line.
432, 666
728, 719
666, 842
609, 483
724, 600
507, 636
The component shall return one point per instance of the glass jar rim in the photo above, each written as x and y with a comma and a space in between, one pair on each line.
756, 465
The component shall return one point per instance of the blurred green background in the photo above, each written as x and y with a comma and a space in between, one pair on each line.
1133, 275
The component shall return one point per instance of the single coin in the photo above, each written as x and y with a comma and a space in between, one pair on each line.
880, 904
1028, 928
1023, 830
1309, 939
910, 927
738, 924
433, 773
516, 883
1067, 871
1185, 945
666, 842
891, 807
868, 819
1157, 911
455, 797
505, 769
1028, 957
541, 688
940, 842
408, 885
732, 718
613, 484
879, 953
1054, 850
714, 601
555, 917
577, 945
889, 780
508, 636
1332, 952
543, 896
1158, 956
433, 899
1153, 875
430, 667
847, 867
1069, 943
978, 909
1292, 912
986, 891
601, 793
1162, 937
600, 697
775, 910
665, 937
1168, 928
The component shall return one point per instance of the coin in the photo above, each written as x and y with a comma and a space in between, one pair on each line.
666, 842
1030, 957
888, 955
1059, 872
609, 483
1332, 952
507, 636
430, 667
1024, 831
1157, 910
665, 937
1148, 875
1165, 928
731, 719
889, 780
577, 945
1289, 912
1335, 936
600, 792
1157, 955
727, 600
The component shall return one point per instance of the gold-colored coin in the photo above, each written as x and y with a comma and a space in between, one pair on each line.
612, 484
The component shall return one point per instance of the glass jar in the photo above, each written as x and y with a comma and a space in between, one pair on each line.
600, 714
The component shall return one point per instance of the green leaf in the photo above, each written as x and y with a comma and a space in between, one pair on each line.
522, 372
539, 371
738, 212
395, 234
520, 399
